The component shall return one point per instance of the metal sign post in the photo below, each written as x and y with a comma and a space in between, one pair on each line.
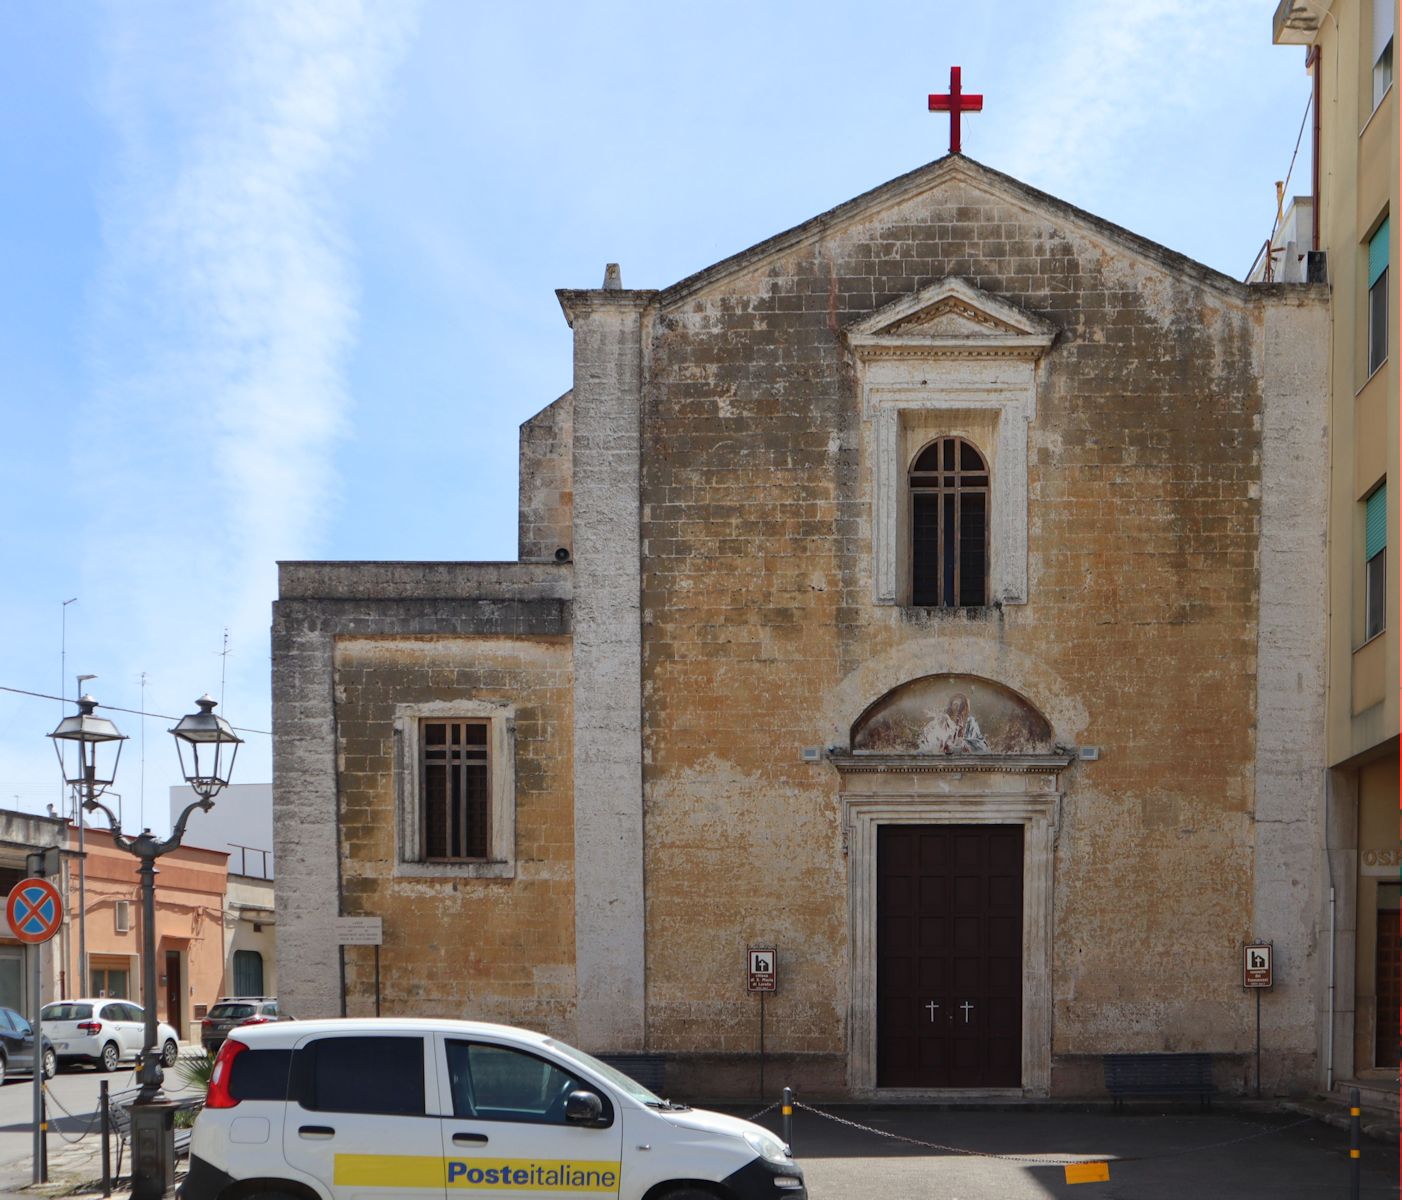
1257, 975
36, 999
362, 931
35, 912
762, 964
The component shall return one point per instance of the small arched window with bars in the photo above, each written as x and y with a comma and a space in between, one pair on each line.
949, 525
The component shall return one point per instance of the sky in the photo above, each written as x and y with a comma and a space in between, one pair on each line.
277, 277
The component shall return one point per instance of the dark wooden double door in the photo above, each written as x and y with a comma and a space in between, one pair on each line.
949, 956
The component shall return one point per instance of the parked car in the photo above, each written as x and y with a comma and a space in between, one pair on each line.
368, 1107
103, 1032
17, 1047
229, 1012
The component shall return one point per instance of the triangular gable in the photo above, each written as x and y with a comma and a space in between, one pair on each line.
951, 317
950, 168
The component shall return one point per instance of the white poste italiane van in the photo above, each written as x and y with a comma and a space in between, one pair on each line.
372, 1109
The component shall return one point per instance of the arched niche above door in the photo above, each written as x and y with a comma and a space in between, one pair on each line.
952, 716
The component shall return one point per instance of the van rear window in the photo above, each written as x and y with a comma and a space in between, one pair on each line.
382, 1074
260, 1075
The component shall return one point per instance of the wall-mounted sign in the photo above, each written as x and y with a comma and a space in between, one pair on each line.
1380, 863
1257, 966
763, 970
360, 931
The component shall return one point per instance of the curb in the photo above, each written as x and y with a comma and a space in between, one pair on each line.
1373, 1126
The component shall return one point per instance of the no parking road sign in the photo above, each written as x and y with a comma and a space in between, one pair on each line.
34, 910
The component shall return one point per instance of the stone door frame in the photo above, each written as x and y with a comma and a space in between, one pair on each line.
960, 790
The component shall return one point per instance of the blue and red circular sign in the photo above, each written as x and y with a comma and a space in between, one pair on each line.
34, 910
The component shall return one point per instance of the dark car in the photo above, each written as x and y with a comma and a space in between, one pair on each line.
17, 1047
232, 1011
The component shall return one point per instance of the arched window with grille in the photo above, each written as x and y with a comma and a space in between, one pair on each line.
949, 525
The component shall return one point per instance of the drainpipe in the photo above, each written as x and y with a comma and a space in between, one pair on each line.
1329, 1032
1314, 61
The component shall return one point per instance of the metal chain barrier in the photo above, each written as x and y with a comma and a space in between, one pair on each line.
768, 1108
49, 1097
1040, 1161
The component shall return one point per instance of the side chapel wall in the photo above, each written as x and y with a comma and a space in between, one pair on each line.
352, 644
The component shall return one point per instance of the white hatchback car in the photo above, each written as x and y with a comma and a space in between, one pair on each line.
104, 1033
407, 1108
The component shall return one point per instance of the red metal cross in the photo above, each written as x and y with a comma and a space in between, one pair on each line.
954, 104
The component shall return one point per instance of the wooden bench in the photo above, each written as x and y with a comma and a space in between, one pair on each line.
1159, 1075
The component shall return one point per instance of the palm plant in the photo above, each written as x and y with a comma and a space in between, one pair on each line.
194, 1070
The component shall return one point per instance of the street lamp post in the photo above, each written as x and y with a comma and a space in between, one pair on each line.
201, 740
94, 774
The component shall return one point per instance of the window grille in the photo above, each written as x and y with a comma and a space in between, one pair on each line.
455, 789
949, 525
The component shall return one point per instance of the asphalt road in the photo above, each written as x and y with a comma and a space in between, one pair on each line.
76, 1090
1152, 1155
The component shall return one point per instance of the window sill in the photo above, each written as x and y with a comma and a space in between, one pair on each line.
1373, 375
954, 610
455, 870
1377, 108
1366, 642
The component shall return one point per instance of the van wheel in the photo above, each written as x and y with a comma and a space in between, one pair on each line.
2, 1069
111, 1058
169, 1053
50, 1061
688, 1193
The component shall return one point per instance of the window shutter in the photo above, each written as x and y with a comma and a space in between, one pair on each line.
1377, 253
1376, 537
1382, 26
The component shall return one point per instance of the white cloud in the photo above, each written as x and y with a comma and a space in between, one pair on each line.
1108, 73
222, 323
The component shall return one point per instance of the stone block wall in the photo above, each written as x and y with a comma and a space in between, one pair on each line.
501, 626
546, 518
500, 949
1140, 634
714, 462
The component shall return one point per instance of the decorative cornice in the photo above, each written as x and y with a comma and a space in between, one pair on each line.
950, 306
867, 763
577, 301
1022, 346
954, 294
902, 329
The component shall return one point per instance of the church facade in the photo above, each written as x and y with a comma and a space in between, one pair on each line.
930, 595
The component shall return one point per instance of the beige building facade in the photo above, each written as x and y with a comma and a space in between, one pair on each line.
250, 938
934, 595
190, 889
1350, 51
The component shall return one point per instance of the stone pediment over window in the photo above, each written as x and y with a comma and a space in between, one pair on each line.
950, 361
951, 318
